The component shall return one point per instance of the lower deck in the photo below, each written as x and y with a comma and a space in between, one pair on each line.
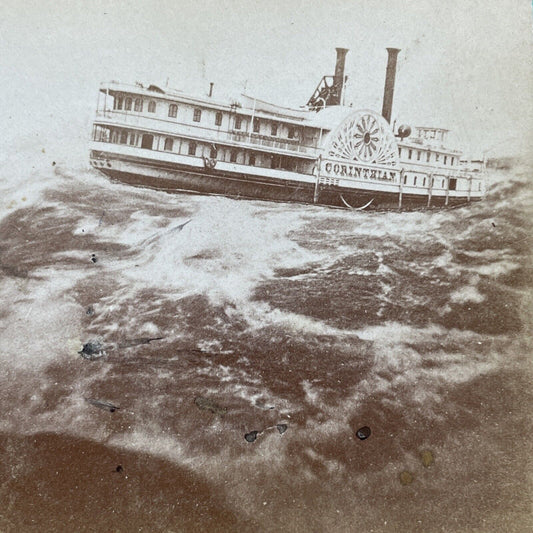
196, 175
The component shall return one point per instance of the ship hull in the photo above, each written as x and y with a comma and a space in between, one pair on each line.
160, 175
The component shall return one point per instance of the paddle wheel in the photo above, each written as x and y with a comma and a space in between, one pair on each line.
365, 137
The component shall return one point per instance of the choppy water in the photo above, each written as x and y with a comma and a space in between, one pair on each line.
416, 324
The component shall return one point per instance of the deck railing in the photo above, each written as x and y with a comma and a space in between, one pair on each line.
201, 133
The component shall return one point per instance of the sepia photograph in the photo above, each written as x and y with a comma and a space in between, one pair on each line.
266, 266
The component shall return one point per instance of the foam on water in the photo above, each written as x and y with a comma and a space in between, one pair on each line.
43, 304
230, 285
220, 251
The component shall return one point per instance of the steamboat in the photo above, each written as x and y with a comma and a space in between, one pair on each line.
323, 153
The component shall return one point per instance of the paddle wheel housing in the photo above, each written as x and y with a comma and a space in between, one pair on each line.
364, 137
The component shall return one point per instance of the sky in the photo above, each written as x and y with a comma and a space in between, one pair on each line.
464, 65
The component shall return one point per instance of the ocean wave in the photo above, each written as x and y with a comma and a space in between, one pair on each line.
323, 320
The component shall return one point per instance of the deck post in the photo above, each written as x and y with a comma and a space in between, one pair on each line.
447, 197
317, 181
430, 189
400, 196
469, 187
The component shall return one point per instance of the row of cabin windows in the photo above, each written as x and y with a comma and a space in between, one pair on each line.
169, 146
122, 137
191, 150
197, 115
428, 156
146, 140
256, 127
424, 182
127, 103
120, 103
137, 104
235, 155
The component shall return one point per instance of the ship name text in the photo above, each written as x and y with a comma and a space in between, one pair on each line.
354, 171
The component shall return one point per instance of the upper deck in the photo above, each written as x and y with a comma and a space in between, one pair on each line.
245, 121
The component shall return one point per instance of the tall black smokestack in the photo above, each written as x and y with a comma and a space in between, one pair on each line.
338, 79
388, 93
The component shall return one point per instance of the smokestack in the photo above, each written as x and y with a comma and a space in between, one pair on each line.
338, 79
388, 93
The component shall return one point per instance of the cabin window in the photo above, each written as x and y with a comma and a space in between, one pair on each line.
436, 157
197, 115
213, 153
404, 180
192, 148
151, 106
399, 151
252, 160
452, 161
274, 129
123, 137
238, 122
148, 141
256, 125
101, 134
424, 183
428, 156
127, 104
292, 133
414, 182
218, 119
173, 110
118, 102
442, 184
453, 184
138, 104
410, 155
445, 159
418, 154
169, 144
233, 156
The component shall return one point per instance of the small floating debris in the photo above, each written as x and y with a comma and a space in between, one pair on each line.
179, 227
252, 436
92, 350
119, 469
262, 405
90, 311
106, 406
282, 428
406, 478
128, 343
207, 404
94, 258
427, 458
158, 235
363, 433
